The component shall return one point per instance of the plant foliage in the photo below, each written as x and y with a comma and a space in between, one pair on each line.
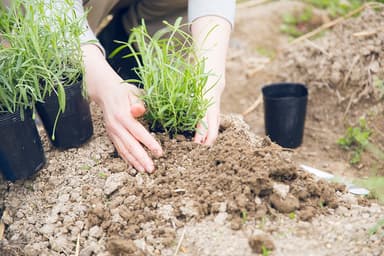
40, 52
173, 78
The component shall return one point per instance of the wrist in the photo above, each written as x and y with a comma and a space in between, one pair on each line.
98, 73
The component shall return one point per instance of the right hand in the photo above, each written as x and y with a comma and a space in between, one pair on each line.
121, 106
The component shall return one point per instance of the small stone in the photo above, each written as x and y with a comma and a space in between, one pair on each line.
236, 223
287, 205
281, 189
223, 207
258, 242
140, 243
59, 244
48, 229
189, 209
257, 200
220, 218
95, 232
52, 219
114, 182
63, 198
166, 211
90, 249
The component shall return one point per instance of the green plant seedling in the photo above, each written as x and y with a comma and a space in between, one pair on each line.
265, 251
86, 167
103, 175
356, 140
172, 75
292, 215
244, 216
297, 23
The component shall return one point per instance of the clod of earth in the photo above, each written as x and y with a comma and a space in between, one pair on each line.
259, 243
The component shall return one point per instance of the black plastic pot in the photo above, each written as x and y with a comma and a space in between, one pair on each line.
284, 113
74, 126
21, 151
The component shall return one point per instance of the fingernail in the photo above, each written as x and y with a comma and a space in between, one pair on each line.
150, 168
158, 152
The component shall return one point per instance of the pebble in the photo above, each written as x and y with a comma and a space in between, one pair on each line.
114, 182
95, 232
60, 243
220, 218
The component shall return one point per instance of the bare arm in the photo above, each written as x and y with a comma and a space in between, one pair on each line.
211, 35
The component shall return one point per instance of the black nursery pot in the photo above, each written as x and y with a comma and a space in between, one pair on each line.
284, 113
74, 126
21, 151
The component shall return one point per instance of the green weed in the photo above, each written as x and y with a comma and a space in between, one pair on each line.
292, 215
244, 216
269, 53
265, 251
86, 167
103, 175
294, 24
356, 140
172, 76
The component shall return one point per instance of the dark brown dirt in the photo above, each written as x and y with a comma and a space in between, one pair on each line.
192, 181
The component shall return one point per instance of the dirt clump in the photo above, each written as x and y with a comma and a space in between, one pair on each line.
261, 243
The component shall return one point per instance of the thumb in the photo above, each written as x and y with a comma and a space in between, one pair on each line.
137, 105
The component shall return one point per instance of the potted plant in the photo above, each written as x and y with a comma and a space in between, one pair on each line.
49, 32
172, 76
21, 151
65, 111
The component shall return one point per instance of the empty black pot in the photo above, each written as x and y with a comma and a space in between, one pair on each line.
21, 151
74, 126
285, 107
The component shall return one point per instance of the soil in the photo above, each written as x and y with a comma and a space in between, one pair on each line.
242, 196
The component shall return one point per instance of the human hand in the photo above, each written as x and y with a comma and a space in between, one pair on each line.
207, 129
121, 106
211, 37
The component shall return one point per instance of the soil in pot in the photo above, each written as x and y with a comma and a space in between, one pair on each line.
21, 151
74, 126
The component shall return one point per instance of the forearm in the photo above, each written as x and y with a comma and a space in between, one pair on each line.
98, 73
211, 35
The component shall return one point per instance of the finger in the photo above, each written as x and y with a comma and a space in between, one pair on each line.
137, 105
132, 146
213, 129
124, 153
141, 134
201, 132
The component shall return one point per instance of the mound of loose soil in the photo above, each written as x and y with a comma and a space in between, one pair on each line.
347, 60
344, 70
85, 195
